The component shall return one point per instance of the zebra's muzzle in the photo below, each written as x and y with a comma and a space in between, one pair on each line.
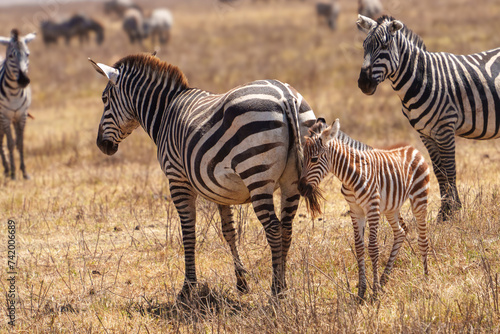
23, 80
366, 83
107, 146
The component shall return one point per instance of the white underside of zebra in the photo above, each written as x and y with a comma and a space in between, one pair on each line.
15, 99
443, 95
374, 183
230, 148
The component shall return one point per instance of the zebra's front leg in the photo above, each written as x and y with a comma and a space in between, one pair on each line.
19, 128
399, 236
226, 214
443, 164
5, 163
262, 202
10, 147
184, 199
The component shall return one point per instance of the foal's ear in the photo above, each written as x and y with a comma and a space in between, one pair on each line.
4, 40
331, 132
395, 26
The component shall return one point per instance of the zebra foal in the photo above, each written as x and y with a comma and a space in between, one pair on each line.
443, 95
374, 182
230, 148
15, 98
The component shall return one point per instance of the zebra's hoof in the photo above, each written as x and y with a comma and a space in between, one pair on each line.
27, 177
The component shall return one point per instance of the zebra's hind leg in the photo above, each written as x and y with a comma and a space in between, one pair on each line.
399, 236
261, 195
226, 215
19, 128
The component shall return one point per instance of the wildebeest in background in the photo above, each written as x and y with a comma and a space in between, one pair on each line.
120, 7
158, 25
370, 8
78, 25
329, 11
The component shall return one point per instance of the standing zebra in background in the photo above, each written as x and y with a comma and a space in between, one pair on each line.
443, 95
329, 11
374, 182
15, 98
230, 148
159, 24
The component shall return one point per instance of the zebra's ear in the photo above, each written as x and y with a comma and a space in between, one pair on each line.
109, 72
4, 40
365, 23
330, 132
29, 37
395, 26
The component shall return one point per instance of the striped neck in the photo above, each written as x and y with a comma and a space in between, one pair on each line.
409, 77
9, 74
149, 87
345, 162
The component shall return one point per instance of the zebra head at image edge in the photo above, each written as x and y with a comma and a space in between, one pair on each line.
18, 54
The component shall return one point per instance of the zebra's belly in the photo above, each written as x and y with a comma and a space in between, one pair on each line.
231, 190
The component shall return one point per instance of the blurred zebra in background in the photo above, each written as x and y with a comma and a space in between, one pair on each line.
15, 98
370, 8
374, 182
78, 25
329, 12
230, 148
443, 95
119, 7
158, 25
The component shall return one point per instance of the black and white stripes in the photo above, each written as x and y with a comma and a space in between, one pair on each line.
15, 98
374, 182
230, 148
443, 95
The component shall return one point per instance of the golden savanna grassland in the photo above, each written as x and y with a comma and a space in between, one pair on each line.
98, 239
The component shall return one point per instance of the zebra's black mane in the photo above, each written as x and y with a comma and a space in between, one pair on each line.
14, 34
407, 32
150, 64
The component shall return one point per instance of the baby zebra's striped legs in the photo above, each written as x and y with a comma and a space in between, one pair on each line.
226, 215
395, 220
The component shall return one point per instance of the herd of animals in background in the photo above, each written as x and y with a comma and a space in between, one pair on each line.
135, 24
245, 143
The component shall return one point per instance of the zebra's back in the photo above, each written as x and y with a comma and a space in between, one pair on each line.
209, 137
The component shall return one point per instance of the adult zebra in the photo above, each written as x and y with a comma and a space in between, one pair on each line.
230, 148
374, 182
443, 95
15, 98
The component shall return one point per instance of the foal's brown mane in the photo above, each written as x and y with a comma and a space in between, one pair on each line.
154, 65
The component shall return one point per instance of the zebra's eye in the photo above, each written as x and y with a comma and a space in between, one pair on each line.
104, 99
314, 160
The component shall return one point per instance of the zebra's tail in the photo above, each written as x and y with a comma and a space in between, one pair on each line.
293, 117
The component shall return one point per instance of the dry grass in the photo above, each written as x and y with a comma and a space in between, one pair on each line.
99, 240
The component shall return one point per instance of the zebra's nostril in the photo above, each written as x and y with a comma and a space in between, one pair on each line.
107, 146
